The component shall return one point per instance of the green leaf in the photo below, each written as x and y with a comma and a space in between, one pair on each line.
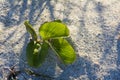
35, 53
63, 50
30, 30
44, 51
53, 29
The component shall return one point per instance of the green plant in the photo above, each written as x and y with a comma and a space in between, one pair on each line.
52, 34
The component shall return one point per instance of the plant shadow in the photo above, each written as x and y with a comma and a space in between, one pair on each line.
109, 40
21, 10
81, 69
114, 73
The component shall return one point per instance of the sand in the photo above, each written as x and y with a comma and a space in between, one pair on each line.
94, 29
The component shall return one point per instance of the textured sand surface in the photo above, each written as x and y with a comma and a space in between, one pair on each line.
95, 32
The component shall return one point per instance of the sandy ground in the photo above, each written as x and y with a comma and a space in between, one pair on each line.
95, 32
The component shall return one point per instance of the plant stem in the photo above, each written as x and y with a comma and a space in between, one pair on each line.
54, 51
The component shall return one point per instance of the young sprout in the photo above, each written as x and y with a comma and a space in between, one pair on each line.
53, 35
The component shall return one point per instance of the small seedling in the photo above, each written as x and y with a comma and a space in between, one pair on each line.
52, 34
13, 73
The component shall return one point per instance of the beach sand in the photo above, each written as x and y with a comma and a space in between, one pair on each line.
94, 30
